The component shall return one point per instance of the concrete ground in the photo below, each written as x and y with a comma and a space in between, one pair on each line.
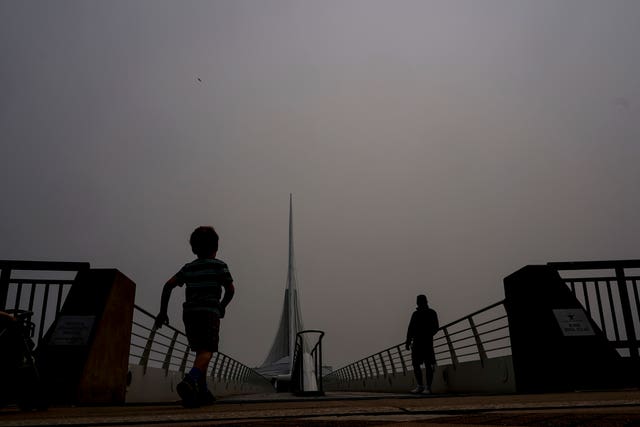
602, 408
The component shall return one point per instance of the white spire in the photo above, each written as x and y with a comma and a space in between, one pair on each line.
291, 319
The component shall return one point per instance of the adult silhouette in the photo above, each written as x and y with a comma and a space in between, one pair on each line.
422, 327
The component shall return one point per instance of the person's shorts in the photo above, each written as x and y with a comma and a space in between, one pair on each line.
202, 329
422, 354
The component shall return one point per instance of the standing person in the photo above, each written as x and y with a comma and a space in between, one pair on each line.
202, 310
422, 327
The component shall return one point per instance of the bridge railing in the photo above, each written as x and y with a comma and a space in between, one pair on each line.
478, 337
42, 288
608, 291
37, 286
167, 349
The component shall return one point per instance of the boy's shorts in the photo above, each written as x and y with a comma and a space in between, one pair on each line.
202, 329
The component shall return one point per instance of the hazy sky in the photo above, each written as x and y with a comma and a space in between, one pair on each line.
431, 146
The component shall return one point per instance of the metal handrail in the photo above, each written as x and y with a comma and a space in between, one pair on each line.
612, 302
171, 351
389, 359
43, 265
47, 292
595, 265
613, 312
166, 349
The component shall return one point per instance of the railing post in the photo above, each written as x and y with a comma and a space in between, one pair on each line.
167, 358
226, 370
236, 372
319, 375
481, 352
375, 365
183, 364
144, 359
19, 296
59, 299
404, 365
393, 365
5, 275
45, 303
230, 370
215, 364
623, 291
221, 368
361, 370
384, 366
352, 372
452, 351
32, 296
369, 366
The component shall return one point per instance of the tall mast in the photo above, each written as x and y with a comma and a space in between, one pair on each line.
291, 318
291, 282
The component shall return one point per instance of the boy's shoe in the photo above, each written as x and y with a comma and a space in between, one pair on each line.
205, 398
188, 391
419, 389
427, 391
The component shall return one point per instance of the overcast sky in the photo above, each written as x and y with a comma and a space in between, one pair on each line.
431, 147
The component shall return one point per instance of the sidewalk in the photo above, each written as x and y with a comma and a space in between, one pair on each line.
608, 408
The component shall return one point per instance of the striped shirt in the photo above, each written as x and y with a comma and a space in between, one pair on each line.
205, 278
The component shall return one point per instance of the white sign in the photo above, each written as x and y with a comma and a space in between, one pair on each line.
573, 322
72, 330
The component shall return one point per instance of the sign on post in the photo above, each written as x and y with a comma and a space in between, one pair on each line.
72, 330
573, 322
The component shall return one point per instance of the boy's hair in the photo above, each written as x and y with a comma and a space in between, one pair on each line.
204, 241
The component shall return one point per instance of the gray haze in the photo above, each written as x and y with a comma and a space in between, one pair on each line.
431, 146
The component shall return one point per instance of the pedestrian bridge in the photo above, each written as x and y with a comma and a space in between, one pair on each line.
560, 327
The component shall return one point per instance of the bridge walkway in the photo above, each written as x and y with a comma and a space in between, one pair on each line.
601, 408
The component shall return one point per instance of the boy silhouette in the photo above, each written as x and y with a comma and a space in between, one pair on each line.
202, 310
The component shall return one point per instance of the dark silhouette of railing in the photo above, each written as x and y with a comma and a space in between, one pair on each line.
21, 288
167, 348
299, 381
478, 336
42, 287
608, 291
